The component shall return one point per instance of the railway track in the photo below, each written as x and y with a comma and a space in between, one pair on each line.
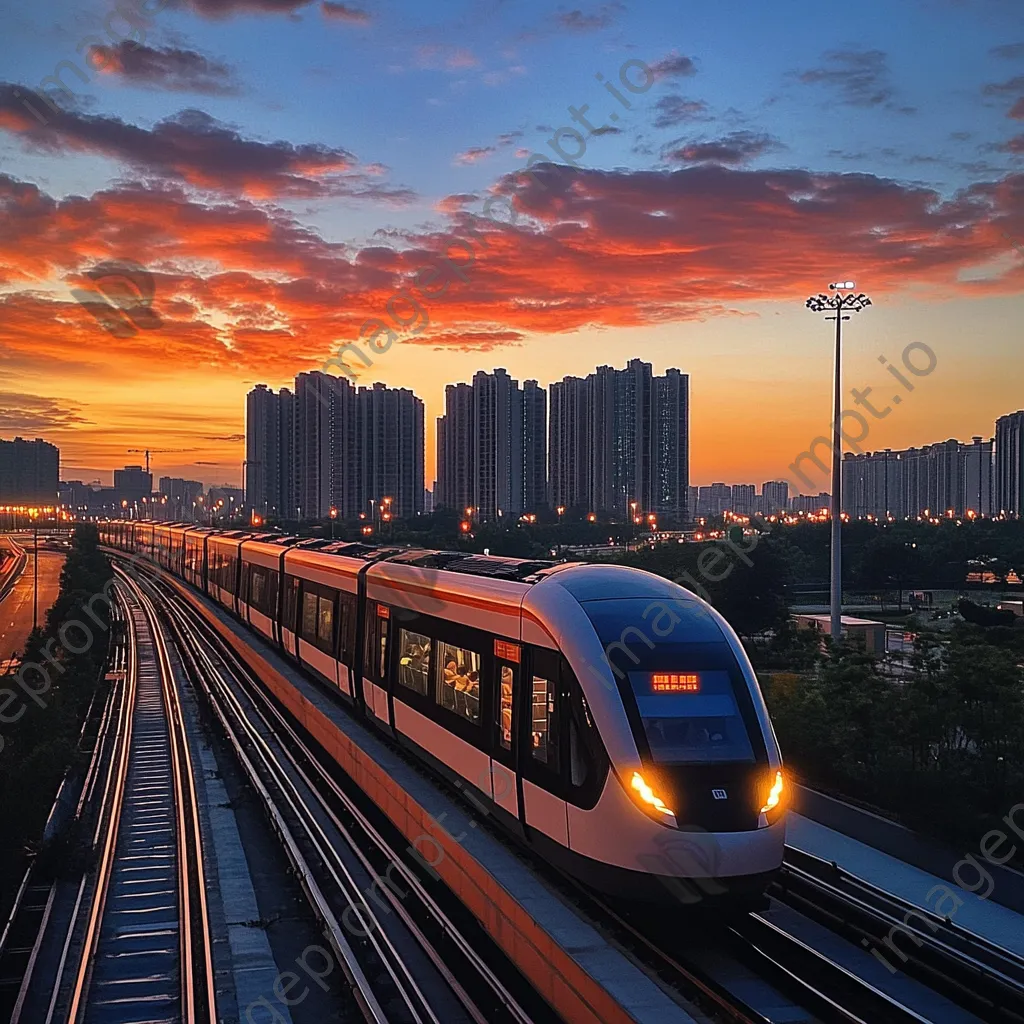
404, 953
969, 969
138, 946
30, 915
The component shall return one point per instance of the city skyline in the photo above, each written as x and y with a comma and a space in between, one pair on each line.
270, 229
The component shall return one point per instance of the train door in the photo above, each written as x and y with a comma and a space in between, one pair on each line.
540, 747
377, 623
505, 685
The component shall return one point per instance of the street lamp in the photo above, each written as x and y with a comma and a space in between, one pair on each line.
838, 305
334, 516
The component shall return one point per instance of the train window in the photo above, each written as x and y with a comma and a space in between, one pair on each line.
506, 688
309, 616
325, 625
544, 723
257, 585
382, 668
414, 661
457, 676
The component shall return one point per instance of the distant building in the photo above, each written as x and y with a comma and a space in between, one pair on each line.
619, 438
131, 485
263, 469
774, 496
182, 497
491, 447
713, 500
743, 499
948, 477
1009, 464
328, 445
810, 502
75, 495
29, 472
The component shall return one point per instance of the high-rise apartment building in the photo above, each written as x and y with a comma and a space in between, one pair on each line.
329, 446
29, 472
491, 447
387, 449
621, 437
948, 477
743, 499
262, 451
535, 446
456, 450
774, 496
571, 444
1009, 464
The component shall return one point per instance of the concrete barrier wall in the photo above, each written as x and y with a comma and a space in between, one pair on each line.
559, 975
898, 841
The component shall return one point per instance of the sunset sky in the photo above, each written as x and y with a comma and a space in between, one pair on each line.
283, 168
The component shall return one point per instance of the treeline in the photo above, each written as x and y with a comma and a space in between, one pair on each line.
906, 554
942, 746
43, 705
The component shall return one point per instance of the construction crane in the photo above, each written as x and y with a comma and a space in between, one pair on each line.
157, 451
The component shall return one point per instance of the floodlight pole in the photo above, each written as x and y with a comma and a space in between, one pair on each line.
836, 586
840, 304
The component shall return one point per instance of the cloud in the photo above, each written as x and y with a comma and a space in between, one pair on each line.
171, 68
229, 8
1014, 145
859, 76
474, 155
438, 57
1011, 51
470, 339
346, 13
249, 291
600, 18
733, 149
1010, 88
195, 148
674, 109
34, 415
1013, 87
674, 66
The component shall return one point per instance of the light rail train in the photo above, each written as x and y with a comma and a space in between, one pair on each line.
607, 717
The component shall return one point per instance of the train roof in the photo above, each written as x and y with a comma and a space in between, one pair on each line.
496, 567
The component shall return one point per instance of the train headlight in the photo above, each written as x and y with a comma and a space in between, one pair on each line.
650, 801
774, 798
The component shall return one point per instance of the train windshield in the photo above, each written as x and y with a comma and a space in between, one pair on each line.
695, 720
685, 683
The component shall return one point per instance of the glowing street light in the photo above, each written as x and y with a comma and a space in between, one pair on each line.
837, 305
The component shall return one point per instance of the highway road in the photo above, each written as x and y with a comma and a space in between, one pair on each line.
16, 607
